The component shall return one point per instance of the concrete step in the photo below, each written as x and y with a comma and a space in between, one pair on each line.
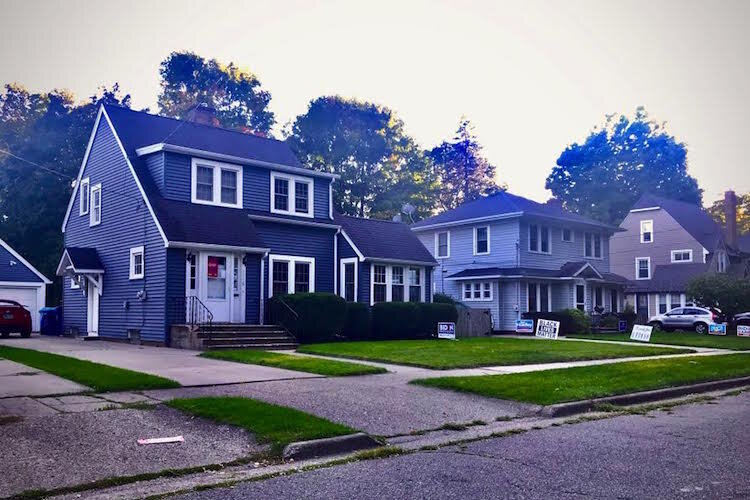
249, 340
242, 326
229, 334
265, 347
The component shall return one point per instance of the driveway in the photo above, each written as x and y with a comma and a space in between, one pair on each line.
182, 366
20, 380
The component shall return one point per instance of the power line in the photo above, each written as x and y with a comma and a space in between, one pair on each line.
46, 169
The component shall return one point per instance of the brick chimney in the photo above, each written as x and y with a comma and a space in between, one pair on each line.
730, 218
202, 113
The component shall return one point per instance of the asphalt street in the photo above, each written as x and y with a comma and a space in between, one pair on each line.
694, 451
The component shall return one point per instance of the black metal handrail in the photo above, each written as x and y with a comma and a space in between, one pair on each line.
190, 311
276, 317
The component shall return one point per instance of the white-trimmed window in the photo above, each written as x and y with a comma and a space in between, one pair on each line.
663, 306
95, 212
215, 183
721, 262
643, 268
647, 231
580, 297
482, 240
682, 255
348, 277
291, 274
137, 263
598, 297
592, 245
291, 195
476, 291
539, 297
395, 283
74, 285
567, 235
614, 300
84, 196
443, 244
539, 239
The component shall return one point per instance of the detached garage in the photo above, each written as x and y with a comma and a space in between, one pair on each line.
21, 282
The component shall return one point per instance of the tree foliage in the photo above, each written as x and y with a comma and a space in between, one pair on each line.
730, 294
42, 133
188, 79
743, 212
381, 167
617, 163
463, 173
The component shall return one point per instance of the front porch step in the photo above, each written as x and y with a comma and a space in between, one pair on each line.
268, 339
241, 336
281, 346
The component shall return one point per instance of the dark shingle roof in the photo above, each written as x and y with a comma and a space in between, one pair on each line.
84, 258
696, 221
137, 129
193, 223
669, 278
379, 239
504, 203
567, 270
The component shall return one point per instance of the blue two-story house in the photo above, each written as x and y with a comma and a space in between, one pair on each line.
168, 215
510, 255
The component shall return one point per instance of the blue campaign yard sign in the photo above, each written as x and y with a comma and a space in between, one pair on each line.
525, 326
447, 330
717, 329
622, 326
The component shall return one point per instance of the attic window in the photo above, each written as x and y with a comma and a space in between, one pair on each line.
647, 231
215, 183
291, 195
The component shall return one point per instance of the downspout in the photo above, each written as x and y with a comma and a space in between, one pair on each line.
262, 301
336, 261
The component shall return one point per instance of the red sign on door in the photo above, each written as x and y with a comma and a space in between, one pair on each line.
213, 267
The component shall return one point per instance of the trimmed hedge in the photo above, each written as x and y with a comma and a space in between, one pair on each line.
409, 320
320, 316
441, 298
571, 320
357, 324
432, 314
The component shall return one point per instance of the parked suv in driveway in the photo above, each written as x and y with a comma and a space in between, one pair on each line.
685, 318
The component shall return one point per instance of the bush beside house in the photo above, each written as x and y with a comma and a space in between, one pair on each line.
571, 320
310, 317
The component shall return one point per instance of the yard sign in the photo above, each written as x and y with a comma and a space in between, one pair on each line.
547, 329
447, 331
743, 330
622, 325
641, 333
524, 325
717, 329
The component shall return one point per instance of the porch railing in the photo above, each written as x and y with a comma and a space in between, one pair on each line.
281, 314
190, 311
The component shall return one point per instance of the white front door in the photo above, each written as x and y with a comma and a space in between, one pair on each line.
92, 309
221, 285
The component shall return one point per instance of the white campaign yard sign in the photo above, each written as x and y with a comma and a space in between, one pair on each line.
547, 329
447, 330
743, 330
641, 333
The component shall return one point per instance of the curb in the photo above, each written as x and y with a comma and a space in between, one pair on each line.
330, 446
566, 409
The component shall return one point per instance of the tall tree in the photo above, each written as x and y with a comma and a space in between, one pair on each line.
743, 212
41, 134
463, 172
381, 167
617, 163
188, 79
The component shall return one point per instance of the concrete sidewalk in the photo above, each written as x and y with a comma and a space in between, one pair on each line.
21, 380
182, 366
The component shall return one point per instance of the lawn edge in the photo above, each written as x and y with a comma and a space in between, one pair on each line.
373, 370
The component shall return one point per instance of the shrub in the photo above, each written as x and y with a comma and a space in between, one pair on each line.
730, 294
357, 324
320, 316
571, 320
441, 298
432, 314
395, 320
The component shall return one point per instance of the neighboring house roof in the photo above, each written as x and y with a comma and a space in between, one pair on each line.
383, 240
81, 260
669, 278
504, 204
23, 262
185, 222
567, 271
696, 221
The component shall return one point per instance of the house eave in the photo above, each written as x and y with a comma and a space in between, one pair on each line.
473, 220
214, 246
401, 261
265, 218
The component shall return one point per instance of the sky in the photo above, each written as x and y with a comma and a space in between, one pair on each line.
533, 76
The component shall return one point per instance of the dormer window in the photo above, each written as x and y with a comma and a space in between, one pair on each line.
647, 231
215, 183
291, 195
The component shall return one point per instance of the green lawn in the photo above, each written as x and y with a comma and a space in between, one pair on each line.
692, 339
290, 362
101, 378
273, 424
586, 382
473, 352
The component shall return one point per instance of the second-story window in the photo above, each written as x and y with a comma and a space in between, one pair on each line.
95, 215
539, 240
291, 195
83, 197
443, 244
592, 245
647, 231
482, 240
216, 183
567, 234
642, 268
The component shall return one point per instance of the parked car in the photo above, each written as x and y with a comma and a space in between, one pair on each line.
685, 318
14, 318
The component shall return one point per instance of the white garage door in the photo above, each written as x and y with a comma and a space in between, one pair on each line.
26, 297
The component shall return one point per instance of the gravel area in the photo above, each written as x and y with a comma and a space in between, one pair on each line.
378, 404
69, 449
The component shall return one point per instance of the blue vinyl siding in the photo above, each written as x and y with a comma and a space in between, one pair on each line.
345, 250
321, 209
256, 189
126, 223
252, 288
16, 272
155, 165
175, 285
363, 295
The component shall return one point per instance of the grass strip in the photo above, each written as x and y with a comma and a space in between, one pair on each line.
475, 352
690, 339
320, 366
586, 382
100, 378
273, 424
